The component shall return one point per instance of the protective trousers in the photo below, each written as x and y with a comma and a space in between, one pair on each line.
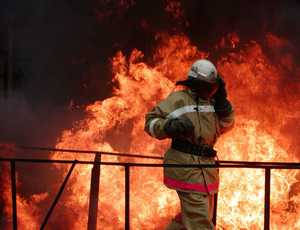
196, 212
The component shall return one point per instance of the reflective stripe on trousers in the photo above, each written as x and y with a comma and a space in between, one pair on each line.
178, 184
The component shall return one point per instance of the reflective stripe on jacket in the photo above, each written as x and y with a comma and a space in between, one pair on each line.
207, 127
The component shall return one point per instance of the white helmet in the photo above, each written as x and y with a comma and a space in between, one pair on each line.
203, 70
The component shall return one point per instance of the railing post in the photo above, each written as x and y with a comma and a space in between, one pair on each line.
94, 194
214, 220
267, 198
127, 197
14, 193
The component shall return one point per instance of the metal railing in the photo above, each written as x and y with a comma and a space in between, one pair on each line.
93, 204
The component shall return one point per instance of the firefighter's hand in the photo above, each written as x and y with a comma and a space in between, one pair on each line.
221, 93
222, 105
179, 128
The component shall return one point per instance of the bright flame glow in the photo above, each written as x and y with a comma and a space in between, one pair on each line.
116, 124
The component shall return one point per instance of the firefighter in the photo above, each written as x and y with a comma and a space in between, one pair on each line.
193, 118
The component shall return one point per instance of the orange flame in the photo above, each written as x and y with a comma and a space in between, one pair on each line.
116, 124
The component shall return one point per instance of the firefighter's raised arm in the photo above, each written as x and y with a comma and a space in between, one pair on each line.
223, 107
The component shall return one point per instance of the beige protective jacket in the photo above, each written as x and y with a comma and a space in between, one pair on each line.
207, 127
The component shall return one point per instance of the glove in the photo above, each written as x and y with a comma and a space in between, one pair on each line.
221, 92
222, 105
179, 128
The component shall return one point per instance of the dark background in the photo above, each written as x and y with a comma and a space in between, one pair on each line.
62, 49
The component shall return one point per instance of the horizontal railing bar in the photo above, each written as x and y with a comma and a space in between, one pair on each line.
260, 163
133, 164
148, 156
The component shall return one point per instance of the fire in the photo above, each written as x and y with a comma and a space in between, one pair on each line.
28, 211
258, 91
241, 196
